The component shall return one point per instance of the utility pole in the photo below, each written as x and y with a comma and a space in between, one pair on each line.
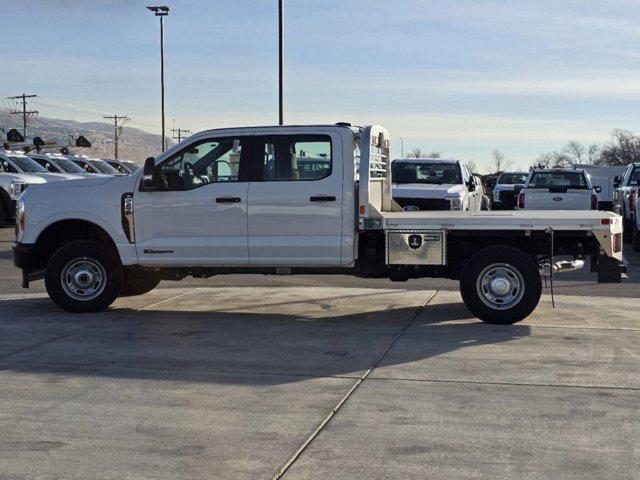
117, 129
280, 62
24, 112
179, 132
161, 12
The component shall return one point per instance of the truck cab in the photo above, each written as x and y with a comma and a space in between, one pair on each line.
558, 189
435, 184
507, 188
626, 193
287, 200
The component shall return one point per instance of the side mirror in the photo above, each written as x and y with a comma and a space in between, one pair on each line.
471, 186
598, 189
149, 175
616, 182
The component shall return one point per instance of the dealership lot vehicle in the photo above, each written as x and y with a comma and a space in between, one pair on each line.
11, 186
557, 189
434, 184
57, 163
626, 194
121, 167
603, 179
133, 231
131, 165
507, 188
17, 162
635, 235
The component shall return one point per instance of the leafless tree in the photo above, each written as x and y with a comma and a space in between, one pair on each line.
500, 163
574, 152
419, 153
593, 153
554, 160
622, 149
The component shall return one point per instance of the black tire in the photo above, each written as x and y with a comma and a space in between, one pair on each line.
4, 217
138, 286
106, 267
519, 268
635, 243
628, 228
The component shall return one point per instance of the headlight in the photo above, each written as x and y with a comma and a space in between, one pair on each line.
496, 196
20, 219
455, 203
16, 189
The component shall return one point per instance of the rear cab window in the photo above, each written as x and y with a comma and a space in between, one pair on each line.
566, 180
512, 179
293, 157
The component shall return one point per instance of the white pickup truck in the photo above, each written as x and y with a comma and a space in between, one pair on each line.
434, 184
287, 200
627, 189
557, 189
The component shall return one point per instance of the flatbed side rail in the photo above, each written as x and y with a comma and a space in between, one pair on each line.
374, 173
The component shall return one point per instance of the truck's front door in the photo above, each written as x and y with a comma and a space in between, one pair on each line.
198, 213
295, 199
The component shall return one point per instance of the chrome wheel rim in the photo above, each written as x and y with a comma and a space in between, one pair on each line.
83, 278
500, 286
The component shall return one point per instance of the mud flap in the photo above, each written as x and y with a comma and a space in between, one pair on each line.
609, 269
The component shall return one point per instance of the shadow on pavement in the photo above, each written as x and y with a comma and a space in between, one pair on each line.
229, 347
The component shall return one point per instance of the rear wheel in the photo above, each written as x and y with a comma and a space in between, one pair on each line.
83, 276
628, 229
501, 285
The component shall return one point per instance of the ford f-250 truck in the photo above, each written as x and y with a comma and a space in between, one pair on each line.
287, 200
558, 189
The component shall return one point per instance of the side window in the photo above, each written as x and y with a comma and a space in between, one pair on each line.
6, 166
294, 157
208, 161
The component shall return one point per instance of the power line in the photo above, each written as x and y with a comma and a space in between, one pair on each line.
179, 132
117, 129
24, 112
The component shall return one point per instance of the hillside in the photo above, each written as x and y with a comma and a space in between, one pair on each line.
135, 144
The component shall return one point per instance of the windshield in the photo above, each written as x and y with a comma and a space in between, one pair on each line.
87, 167
558, 179
634, 179
513, 178
27, 165
420, 172
103, 166
67, 165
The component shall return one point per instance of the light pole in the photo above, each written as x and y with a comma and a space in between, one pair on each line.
280, 61
161, 12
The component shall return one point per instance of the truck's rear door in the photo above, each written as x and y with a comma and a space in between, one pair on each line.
562, 190
295, 198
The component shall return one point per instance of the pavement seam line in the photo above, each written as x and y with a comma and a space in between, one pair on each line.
45, 342
168, 299
283, 470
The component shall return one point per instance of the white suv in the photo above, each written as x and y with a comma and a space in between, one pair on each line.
434, 184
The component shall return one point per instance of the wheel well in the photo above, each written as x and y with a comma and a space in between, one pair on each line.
65, 231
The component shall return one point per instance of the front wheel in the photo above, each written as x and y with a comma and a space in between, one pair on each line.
83, 277
501, 285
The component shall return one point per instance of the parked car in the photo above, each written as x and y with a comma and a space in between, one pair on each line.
133, 166
508, 186
120, 166
17, 162
635, 231
94, 165
12, 184
625, 196
558, 189
602, 178
434, 184
57, 163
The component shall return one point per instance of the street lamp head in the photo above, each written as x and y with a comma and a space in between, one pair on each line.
160, 11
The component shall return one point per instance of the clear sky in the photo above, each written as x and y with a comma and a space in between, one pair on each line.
459, 76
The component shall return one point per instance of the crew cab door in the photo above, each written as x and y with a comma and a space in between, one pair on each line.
198, 214
295, 199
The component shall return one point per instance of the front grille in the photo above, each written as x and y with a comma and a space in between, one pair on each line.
424, 203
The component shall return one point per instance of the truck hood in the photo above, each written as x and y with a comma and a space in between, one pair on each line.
22, 177
55, 177
53, 183
422, 190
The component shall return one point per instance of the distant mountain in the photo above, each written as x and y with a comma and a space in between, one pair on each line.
134, 144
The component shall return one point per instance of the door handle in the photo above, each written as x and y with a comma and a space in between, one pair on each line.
323, 198
228, 200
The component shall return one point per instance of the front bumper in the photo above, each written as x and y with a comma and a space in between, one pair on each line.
23, 259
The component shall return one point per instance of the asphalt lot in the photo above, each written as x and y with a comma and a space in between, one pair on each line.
333, 377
